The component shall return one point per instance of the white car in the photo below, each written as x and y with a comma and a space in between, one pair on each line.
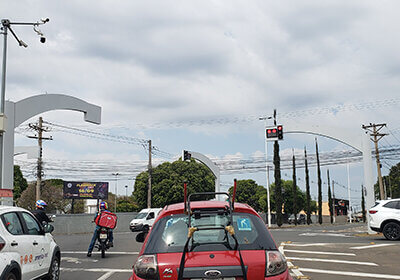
27, 249
385, 217
144, 219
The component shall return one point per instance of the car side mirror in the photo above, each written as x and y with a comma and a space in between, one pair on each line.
48, 228
140, 237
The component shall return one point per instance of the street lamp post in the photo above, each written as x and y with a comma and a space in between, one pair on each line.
5, 26
267, 170
116, 189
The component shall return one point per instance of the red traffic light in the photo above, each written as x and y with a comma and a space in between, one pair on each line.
280, 127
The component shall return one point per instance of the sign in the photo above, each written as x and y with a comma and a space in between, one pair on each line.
6, 193
85, 190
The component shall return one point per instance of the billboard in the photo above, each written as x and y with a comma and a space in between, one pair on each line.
85, 190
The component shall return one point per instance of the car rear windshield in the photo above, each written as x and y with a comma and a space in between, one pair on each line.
170, 233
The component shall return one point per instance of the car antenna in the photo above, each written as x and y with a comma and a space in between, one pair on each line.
185, 195
234, 193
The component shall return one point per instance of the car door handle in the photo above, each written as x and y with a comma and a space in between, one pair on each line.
35, 243
14, 243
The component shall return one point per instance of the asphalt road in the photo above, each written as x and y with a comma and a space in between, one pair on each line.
340, 252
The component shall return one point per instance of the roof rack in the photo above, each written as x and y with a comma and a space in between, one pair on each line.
227, 210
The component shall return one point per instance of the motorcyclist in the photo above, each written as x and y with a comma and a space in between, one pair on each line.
103, 208
40, 212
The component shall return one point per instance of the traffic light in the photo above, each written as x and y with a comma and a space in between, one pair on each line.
186, 155
280, 132
274, 133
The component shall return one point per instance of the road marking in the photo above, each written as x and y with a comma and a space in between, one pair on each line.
76, 260
293, 268
96, 269
108, 253
306, 244
332, 261
106, 276
350, 273
324, 234
371, 246
319, 253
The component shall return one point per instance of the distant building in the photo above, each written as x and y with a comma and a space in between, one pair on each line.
341, 207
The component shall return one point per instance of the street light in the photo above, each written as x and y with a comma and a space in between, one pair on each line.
267, 168
116, 187
5, 26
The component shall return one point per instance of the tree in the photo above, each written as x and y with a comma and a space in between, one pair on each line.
294, 189
330, 200
278, 187
167, 183
248, 191
287, 197
392, 182
308, 195
52, 194
126, 205
20, 183
319, 185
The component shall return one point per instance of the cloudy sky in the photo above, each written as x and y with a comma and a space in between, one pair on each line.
197, 75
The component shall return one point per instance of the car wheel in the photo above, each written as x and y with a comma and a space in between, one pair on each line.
391, 231
11, 276
54, 271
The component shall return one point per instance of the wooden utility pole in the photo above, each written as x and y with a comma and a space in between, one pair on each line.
40, 129
376, 136
149, 170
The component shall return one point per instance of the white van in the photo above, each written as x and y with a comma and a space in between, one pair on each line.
144, 219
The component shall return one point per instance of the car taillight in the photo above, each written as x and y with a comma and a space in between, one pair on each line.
146, 267
2, 243
373, 211
276, 263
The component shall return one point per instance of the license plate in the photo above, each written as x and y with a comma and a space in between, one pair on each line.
103, 236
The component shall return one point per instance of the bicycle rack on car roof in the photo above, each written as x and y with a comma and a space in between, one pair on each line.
227, 210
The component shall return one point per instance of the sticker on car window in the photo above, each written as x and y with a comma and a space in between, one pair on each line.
243, 224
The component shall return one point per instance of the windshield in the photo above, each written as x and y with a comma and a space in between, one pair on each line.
141, 215
170, 234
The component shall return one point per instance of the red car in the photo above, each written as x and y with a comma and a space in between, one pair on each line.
209, 240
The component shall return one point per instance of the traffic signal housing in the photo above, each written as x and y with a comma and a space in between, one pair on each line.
186, 155
274, 133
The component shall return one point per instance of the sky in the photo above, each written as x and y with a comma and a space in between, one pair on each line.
197, 75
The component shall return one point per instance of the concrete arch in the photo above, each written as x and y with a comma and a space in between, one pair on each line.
21, 111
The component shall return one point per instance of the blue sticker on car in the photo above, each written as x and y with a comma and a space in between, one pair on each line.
243, 224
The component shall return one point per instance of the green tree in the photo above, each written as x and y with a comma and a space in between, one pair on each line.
20, 183
167, 183
319, 185
278, 188
392, 182
126, 205
308, 195
330, 200
287, 197
248, 191
294, 190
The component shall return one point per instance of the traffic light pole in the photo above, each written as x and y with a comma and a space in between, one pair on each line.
267, 168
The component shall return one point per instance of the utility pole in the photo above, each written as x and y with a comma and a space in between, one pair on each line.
376, 137
333, 201
40, 129
149, 170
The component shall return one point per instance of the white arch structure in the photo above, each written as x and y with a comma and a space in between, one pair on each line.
18, 112
211, 165
358, 140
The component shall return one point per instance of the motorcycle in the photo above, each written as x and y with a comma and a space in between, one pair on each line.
103, 237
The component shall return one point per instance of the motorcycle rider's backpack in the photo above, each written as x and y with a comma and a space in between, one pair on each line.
106, 219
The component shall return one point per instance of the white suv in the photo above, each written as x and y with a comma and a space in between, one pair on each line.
27, 249
385, 217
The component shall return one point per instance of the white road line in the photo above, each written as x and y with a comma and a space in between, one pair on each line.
96, 269
106, 276
294, 270
371, 246
324, 234
319, 253
108, 253
332, 261
350, 273
306, 244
